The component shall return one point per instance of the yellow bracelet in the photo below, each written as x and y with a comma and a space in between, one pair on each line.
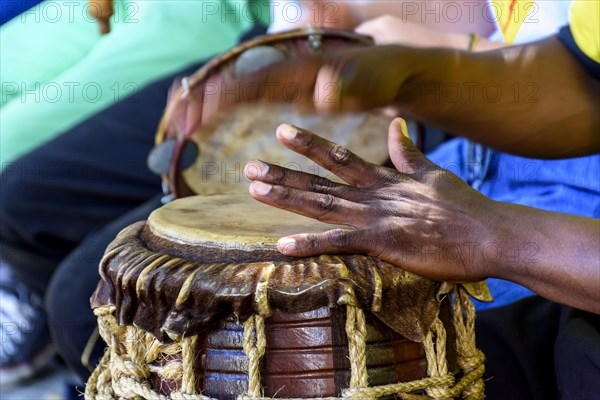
473, 39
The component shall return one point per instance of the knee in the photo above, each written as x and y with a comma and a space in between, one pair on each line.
577, 355
11, 193
24, 223
16, 218
23, 184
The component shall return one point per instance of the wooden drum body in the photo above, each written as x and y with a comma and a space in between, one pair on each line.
196, 303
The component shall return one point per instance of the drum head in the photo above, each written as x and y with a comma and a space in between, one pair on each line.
247, 133
225, 227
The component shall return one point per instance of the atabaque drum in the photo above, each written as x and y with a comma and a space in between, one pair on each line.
202, 149
197, 303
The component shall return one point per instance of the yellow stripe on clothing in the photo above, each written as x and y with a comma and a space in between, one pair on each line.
585, 27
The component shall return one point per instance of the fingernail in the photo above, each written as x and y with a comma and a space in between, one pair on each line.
286, 245
403, 128
260, 187
288, 131
256, 169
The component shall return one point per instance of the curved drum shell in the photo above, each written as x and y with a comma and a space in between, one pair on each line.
307, 356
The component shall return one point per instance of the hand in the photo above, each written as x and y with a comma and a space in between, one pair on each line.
388, 29
420, 216
351, 80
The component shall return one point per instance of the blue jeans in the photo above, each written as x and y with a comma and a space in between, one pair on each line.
570, 186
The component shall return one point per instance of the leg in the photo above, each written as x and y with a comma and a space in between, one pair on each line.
537, 349
149, 40
68, 35
53, 197
70, 318
56, 195
577, 354
518, 341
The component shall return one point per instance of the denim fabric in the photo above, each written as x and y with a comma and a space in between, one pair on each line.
570, 186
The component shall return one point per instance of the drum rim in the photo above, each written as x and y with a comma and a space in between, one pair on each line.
131, 264
170, 180
192, 222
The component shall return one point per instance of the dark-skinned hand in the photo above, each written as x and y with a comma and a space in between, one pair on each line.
343, 80
417, 216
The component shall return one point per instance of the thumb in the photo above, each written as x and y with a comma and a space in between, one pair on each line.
403, 153
376, 28
184, 112
367, 28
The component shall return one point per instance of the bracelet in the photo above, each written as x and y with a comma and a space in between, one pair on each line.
473, 39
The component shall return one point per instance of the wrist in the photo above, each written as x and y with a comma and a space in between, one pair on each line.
420, 70
503, 246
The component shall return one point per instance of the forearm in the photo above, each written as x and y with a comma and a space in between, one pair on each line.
533, 100
555, 255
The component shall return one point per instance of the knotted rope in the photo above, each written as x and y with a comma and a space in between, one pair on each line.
255, 343
470, 358
133, 356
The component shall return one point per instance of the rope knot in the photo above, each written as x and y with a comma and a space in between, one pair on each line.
172, 371
128, 368
442, 390
472, 361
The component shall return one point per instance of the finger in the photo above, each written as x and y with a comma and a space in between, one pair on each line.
312, 84
331, 156
339, 81
340, 86
276, 175
326, 95
186, 110
368, 27
290, 81
403, 153
175, 110
323, 207
335, 241
372, 28
316, 84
